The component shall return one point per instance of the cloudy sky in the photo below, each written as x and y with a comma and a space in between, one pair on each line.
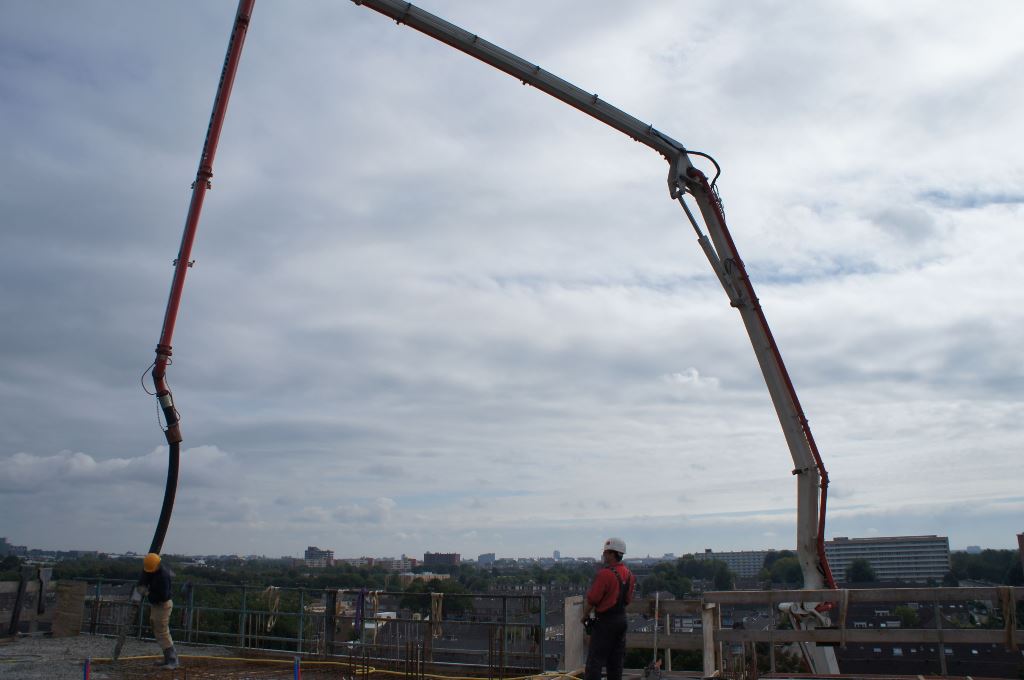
433, 309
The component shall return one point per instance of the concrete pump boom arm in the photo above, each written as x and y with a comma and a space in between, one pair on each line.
683, 179
531, 74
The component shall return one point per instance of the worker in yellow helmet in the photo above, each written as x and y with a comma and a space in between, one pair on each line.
156, 579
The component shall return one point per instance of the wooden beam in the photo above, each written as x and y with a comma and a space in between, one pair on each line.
889, 635
670, 641
858, 595
710, 618
645, 606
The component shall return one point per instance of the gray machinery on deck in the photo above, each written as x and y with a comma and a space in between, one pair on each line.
685, 180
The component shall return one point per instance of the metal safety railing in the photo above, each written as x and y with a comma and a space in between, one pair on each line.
506, 634
728, 633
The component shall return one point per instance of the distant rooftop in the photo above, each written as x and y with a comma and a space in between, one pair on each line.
884, 539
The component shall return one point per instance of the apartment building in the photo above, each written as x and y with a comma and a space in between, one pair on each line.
893, 558
317, 558
432, 559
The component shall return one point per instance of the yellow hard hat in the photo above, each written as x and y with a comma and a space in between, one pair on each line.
150, 563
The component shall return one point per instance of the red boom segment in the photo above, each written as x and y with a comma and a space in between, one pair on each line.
199, 188
182, 263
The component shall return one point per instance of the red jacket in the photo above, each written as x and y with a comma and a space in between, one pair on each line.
604, 591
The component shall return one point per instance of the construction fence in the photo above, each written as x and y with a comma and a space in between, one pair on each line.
502, 635
931, 631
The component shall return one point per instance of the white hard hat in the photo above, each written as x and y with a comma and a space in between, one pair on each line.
616, 544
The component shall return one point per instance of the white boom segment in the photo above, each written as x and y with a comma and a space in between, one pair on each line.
530, 74
684, 178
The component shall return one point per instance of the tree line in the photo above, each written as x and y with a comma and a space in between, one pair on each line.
1001, 567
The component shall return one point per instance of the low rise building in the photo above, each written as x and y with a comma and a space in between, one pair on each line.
743, 563
407, 578
396, 564
356, 561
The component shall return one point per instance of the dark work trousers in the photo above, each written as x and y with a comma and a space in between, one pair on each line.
607, 646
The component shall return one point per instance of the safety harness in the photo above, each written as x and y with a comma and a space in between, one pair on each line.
620, 603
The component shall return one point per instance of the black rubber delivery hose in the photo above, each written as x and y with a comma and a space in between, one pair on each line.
168, 506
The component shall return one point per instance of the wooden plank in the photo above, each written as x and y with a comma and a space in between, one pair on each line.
67, 621
889, 635
674, 607
857, 595
575, 639
11, 587
767, 596
929, 594
670, 641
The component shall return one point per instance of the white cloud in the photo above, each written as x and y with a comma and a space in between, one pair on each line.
430, 305
31, 473
691, 377
313, 514
377, 511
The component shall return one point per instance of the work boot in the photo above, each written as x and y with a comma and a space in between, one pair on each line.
170, 658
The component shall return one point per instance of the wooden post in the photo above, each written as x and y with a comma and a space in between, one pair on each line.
24, 576
708, 622
668, 652
67, 621
330, 613
942, 647
575, 638
95, 613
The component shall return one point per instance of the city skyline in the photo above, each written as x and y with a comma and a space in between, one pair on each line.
434, 309
972, 549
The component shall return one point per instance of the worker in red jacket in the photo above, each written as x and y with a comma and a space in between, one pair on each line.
608, 596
